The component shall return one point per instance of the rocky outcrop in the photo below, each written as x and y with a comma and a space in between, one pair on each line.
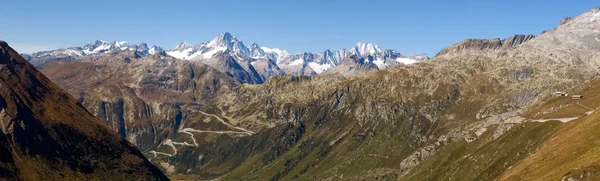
471, 46
565, 21
46, 135
484, 47
516, 40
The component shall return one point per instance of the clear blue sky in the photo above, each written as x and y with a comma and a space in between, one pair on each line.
410, 26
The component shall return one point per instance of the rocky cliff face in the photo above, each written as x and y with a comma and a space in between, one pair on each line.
139, 97
45, 134
492, 48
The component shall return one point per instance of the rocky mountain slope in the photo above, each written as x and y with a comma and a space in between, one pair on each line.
470, 113
46, 135
142, 98
444, 119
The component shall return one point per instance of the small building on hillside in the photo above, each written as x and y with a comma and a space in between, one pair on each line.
469, 139
577, 97
560, 94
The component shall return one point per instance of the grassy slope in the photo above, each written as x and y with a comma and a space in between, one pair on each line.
570, 145
574, 150
560, 107
484, 161
379, 156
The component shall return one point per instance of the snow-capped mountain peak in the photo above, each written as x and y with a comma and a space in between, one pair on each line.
277, 60
97, 46
222, 40
275, 53
181, 46
93, 48
364, 49
256, 51
143, 46
226, 41
281, 53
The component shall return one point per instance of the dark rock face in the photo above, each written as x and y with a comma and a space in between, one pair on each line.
471, 44
522, 98
352, 65
516, 40
45, 134
520, 75
565, 21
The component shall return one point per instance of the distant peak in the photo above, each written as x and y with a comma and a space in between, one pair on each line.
363, 49
182, 46
184, 43
225, 36
223, 39
143, 46
98, 42
119, 43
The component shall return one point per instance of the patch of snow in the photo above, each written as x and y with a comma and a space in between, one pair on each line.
595, 17
318, 68
363, 49
152, 50
209, 54
181, 54
103, 47
297, 62
380, 64
280, 53
123, 43
406, 60
420, 57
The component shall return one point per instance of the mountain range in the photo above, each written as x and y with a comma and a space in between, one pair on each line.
229, 55
481, 109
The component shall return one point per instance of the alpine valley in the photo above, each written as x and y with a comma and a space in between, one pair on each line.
481, 109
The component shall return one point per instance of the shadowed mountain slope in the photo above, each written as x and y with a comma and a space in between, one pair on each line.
46, 135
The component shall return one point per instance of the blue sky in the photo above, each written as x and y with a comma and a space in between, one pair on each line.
410, 26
